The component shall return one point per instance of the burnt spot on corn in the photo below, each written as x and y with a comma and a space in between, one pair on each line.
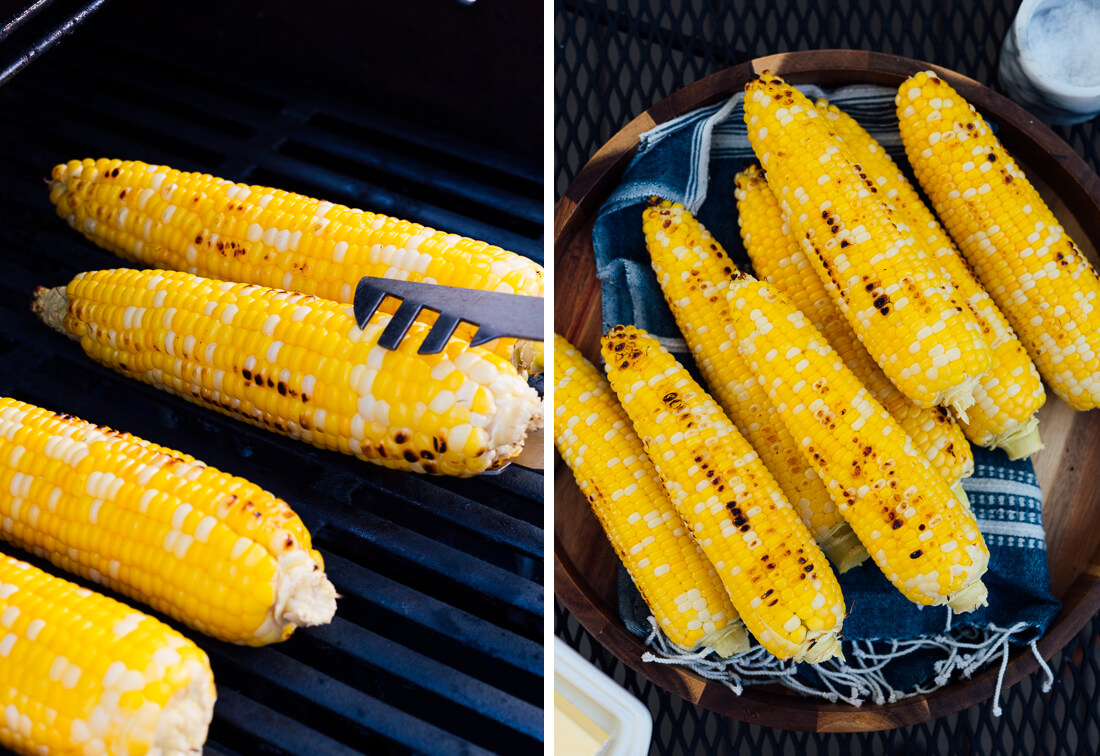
410, 456
896, 524
401, 437
916, 554
922, 526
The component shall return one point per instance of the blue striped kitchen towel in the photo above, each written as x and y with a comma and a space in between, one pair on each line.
893, 648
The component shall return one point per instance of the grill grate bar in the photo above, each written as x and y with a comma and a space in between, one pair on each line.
425, 681
474, 634
385, 540
53, 35
308, 159
423, 496
128, 62
21, 17
240, 721
344, 712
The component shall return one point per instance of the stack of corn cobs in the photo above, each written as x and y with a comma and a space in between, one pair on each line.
211, 550
845, 380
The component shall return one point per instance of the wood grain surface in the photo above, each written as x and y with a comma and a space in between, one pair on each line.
1068, 468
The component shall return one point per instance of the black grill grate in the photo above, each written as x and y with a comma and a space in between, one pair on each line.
437, 643
614, 59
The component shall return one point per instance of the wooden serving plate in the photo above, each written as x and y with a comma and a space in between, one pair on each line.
1068, 469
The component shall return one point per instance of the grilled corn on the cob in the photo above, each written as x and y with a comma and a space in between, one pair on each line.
1008, 396
1037, 275
925, 541
899, 304
82, 673
300, 365
613, 472
694, 271
165, 218
216, 552
777, 577
778, 258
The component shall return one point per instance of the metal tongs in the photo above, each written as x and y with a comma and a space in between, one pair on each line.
493, 315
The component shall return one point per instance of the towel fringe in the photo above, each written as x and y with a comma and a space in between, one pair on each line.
861, 677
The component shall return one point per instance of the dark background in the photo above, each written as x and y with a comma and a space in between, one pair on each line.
615, 58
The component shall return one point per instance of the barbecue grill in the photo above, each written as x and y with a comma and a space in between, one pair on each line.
437, 642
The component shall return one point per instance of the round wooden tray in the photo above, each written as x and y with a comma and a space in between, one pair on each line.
1068, 469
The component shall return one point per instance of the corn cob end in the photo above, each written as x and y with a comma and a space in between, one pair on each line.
961, 397
824, 648
304, 596
731, 639
51, 305
842, 547
960, 494
185, 719
970, 598
1020, 442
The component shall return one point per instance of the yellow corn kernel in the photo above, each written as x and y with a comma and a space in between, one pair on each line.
118, 510
82, 673
777, 257
165, 218
255, 354
1042, 282
693, 271
777, 577
594, 437
895, 299
921, 536
1008, 396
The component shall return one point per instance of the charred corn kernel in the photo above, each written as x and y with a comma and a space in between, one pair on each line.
895, 299
596, 440
778, 258
164, 218
777, 577
229, 559
693, 271
82, 673
924, 540
1009, 394
300, 365
1037, 275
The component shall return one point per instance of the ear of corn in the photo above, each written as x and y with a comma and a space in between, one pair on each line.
924, 540
777, 577
217, 553
895, 299
1008, 396
165, 218
778, 258
82, 673
595, 439
1039, 278
693, 271
301, 366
